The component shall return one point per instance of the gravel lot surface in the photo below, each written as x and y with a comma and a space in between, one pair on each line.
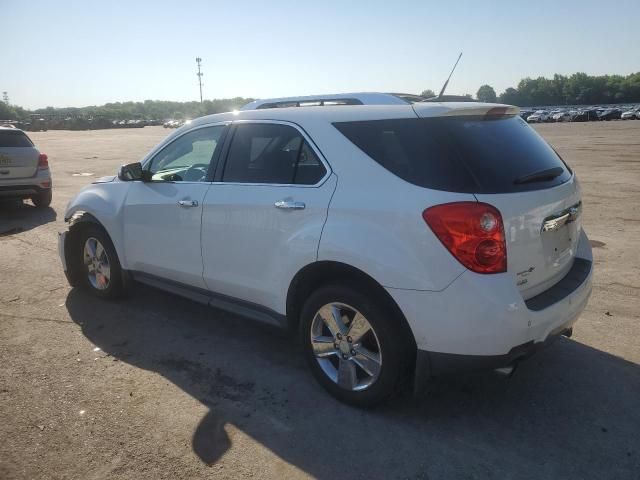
158, 387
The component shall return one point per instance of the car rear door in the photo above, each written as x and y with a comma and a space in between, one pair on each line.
162, 217
263, 217
18, 155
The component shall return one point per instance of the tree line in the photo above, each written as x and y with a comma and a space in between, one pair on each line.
147, 110
576, 89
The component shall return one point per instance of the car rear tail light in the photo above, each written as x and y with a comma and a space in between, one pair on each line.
43, 161
473, 232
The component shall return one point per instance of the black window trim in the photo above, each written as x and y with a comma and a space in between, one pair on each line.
215, 159
225, 156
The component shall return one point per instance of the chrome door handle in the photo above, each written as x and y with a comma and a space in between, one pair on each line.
188, 203
290, 205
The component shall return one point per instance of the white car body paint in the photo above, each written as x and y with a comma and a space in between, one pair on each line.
360, 215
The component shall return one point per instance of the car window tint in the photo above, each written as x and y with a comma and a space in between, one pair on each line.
310, 169
14, 138
458, 154
188, 158
269, 153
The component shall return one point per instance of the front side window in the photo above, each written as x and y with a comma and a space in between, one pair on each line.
188, 158
271, 153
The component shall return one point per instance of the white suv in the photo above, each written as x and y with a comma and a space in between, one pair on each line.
399, 238
24, 171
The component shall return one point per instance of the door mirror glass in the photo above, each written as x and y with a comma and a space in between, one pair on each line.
130, 172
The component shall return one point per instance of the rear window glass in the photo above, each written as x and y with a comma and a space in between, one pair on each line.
459, 154
14, 138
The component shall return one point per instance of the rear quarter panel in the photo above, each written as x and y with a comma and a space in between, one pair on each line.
375, 220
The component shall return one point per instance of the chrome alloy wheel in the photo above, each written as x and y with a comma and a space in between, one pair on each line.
346, 346
97, 263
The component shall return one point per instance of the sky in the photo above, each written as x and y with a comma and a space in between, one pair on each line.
79, 53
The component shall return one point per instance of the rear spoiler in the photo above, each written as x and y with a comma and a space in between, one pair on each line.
459, 109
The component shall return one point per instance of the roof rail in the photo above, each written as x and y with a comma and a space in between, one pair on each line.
371, 98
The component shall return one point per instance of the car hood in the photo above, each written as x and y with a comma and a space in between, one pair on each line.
107, 179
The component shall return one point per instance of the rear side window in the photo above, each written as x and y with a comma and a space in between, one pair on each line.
14, 138
459, 154
271, 153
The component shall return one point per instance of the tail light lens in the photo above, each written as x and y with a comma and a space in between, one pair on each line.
473, 232
43, 161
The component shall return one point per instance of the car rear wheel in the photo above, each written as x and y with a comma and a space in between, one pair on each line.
353, 345
42, 200
100, 270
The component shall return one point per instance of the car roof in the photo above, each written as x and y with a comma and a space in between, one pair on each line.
357, 98
345, 113
13, 129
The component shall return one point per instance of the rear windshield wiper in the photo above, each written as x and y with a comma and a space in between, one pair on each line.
541, 176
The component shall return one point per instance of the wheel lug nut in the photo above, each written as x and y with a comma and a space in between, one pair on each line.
353, 352
344, 356
339, 336
349, 339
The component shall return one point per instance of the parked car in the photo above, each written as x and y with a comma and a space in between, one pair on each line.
564, 116
610, 114
538, 117
630, 114
524, 114
402, 241
585, 116
24, 170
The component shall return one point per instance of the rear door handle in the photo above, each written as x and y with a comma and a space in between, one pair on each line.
188, 203
290, 205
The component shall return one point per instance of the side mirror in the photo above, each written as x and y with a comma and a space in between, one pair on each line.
128, 173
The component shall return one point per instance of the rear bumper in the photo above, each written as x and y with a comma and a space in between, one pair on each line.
26, 187
429, 364
485, 318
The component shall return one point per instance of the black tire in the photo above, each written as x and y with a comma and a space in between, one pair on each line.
115, 286
42, 200
391, 336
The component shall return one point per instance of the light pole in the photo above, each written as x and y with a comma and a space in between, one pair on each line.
198, 60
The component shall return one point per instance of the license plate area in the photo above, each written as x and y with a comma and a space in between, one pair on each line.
557, 245
559, 235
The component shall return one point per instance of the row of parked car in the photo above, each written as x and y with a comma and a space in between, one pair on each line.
589, 114
175, 123
42, 124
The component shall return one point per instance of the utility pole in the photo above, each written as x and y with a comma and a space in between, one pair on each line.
198, 61
5, 97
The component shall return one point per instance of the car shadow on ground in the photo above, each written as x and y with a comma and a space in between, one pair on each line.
19, 216
571, 411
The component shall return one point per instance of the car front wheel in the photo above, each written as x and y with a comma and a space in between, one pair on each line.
353, 344
99, 267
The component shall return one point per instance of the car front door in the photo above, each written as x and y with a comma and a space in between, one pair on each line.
263, 217
162, 215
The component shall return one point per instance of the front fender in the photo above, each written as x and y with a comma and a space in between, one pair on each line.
104, 202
